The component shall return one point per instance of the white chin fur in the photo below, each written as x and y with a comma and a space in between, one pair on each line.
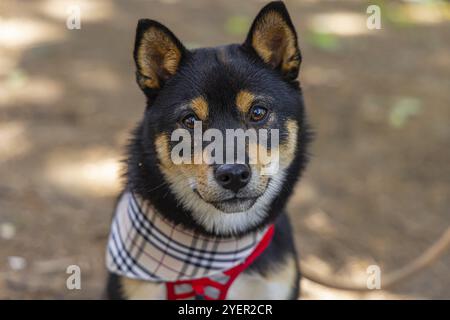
222, 223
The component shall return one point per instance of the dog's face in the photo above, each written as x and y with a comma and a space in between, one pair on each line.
209, 92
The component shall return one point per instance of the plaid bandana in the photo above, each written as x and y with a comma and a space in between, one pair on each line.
145, 246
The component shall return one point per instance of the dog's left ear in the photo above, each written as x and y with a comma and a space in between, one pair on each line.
273, 38
157, 54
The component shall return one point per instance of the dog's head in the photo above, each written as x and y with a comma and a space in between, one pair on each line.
228, 101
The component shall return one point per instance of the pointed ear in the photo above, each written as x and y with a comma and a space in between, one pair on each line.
273, 38
157, 54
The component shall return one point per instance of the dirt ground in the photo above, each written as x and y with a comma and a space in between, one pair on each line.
377, 190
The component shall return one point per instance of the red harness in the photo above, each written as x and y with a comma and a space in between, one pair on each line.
199, 285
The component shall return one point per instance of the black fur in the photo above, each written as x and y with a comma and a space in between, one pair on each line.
203, 73
218, 74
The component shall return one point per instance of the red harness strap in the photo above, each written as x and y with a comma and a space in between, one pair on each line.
199, 285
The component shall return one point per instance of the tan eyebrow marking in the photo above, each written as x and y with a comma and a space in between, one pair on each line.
244, 100
200, 107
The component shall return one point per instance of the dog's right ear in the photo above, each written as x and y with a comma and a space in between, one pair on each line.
157, 54
273, 38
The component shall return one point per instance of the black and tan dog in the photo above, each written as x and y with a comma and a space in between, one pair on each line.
249, 85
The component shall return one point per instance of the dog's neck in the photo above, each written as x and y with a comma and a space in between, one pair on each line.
146, 246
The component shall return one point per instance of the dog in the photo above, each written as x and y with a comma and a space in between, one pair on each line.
208, 230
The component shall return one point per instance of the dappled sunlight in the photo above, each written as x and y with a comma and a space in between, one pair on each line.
339, 23
313, 291
346, 23
429, 13
19, 33
91, 10
320, 222
94, 171
353, 272
39, 90
13, 140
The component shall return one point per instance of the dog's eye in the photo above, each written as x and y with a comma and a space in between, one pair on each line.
258, 113
189, 121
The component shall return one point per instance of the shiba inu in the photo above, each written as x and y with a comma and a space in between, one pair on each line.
211, 230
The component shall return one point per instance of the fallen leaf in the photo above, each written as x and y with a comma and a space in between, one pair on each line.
402, 110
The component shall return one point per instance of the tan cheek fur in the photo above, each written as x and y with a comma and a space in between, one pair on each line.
288, 149
178, 174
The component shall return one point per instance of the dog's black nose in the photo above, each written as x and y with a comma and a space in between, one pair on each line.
233, 176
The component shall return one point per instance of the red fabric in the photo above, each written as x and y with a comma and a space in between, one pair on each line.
199, 285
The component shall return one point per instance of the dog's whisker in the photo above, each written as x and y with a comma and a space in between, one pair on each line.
157, 187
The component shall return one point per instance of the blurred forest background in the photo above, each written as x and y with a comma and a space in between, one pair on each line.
377, 190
